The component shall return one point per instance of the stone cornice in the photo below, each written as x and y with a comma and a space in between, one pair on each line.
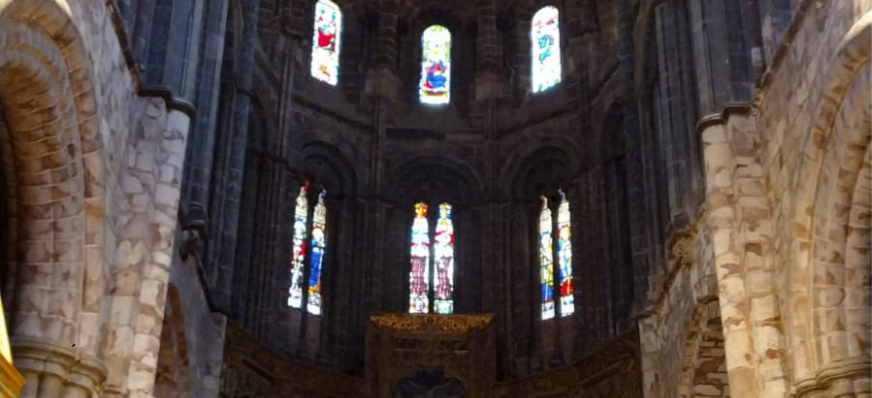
721, 118
160, 92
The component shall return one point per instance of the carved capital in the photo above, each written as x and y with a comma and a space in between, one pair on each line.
67, 364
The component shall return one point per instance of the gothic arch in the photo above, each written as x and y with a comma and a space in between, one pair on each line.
829, 259
53, 159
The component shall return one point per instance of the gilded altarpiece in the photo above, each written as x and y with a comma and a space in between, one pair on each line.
458, 350
457, 347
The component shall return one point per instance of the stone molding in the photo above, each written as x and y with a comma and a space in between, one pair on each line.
68, 364
833, 374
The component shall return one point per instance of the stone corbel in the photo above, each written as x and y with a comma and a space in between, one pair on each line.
194, 224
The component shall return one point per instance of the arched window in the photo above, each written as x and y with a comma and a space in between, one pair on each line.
424, 254
563, 252
316, 234
435, 86
545, 52
325, 42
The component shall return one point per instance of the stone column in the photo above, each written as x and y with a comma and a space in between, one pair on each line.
636, 178
284, 188
224, 243
679, 143
489, 88
382, 87
201, 148
724, 76
522, 287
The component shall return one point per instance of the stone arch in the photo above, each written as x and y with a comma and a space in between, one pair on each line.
332, 168
829, 259
438, 178
540, 169
173, 375
53, 158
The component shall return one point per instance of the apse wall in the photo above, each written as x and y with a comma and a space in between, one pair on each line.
492, 152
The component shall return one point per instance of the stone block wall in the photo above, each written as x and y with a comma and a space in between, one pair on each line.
787, 208
116, 202
687, 298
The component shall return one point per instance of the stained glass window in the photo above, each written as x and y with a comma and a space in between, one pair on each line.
546, 261
564, 251
317, 238
418, 287
435, 65
444, 253
325, 42
421, 277
301, 214
545, 52
319, 245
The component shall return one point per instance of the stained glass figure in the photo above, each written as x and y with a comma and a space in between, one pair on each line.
545, 52
325, 42
301, 214
435, 65
444, 259
546, 261
420, 250
564, 251
319, 246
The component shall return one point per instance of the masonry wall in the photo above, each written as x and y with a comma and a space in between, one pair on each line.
787, 209
123, 156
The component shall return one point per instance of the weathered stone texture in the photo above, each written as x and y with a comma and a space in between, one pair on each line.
780, 187
124, 156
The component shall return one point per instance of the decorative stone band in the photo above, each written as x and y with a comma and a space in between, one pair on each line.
442, 323
54, 370
839, 379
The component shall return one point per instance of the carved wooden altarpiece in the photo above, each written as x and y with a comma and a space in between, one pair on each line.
404, 346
